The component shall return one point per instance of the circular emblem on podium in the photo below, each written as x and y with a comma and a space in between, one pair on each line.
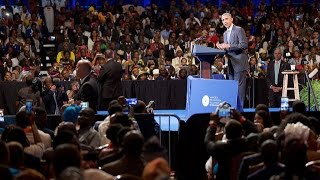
205, 100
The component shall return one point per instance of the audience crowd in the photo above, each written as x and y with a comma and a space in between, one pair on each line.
50, 43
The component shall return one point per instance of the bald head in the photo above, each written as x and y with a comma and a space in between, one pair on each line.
83, 68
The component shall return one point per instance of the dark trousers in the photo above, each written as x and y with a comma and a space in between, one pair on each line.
274, 99
241, 77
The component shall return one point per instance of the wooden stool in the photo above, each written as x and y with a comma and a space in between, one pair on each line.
295, 88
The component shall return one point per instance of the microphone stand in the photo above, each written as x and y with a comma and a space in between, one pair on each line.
310, 89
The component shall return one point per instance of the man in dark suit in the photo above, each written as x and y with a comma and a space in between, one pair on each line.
169, 48
53, 96
275, 77
235, 43
89, 89
110, 80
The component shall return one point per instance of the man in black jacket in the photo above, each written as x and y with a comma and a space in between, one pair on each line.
53, 96
89, 89
110, 80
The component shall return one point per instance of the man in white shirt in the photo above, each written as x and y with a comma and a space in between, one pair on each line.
192, 20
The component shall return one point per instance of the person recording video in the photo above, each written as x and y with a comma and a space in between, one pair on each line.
53, 96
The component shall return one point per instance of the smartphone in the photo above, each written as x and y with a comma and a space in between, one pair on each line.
29, 104
84, 105
132, 101
1, 115
52, 38
284, 104
224, 112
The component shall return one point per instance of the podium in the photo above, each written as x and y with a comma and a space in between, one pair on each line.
206, 56
204, 94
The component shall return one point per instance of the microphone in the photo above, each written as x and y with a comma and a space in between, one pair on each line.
314, 72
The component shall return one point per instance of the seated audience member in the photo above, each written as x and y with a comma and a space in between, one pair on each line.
97, 175
147, 124
22, 121
262, 107
131, 163
87, 135
61, 54
262, 120
69, 115
30, 174
225, 151
5, 161
156, 169
155, 74
8, 76
183, 74
142, 76
114, 107
299, 107
270, 155
16, 157
294, 155
41, 120
4, 153
253, 162
113, 151
304, 133
65, 155
74, 88
315, 124
152, 149
31, 153
71, 173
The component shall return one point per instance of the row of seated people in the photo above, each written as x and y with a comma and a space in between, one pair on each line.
263, 149
121, 146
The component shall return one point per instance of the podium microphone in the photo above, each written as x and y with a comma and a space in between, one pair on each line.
314, 72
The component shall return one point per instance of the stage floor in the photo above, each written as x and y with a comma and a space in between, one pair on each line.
172, 123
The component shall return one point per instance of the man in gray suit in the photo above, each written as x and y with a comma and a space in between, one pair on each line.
236, 44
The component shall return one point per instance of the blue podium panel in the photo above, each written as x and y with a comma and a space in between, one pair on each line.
204, 95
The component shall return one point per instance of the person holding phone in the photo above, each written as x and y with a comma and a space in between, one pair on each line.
53, 96
32, 91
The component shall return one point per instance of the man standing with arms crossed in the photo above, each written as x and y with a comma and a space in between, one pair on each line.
235, 43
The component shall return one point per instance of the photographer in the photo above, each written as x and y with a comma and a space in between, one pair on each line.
53, 96
32, 92
144, 116
226, 152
